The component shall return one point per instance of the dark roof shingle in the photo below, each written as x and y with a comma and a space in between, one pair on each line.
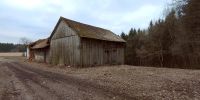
89, 31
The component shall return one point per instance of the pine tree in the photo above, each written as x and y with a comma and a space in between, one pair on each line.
124, 36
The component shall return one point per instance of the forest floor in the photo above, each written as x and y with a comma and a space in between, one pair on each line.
21, 80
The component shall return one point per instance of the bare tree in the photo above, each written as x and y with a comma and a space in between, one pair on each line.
25, 41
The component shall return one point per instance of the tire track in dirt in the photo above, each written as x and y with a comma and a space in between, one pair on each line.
81, 84
27, 75
11, 87
34, 84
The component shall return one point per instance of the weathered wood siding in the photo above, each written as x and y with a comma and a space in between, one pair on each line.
41, 55
65, 46
98, 52
47, 55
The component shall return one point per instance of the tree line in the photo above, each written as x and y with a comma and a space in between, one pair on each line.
10, 47
170, 42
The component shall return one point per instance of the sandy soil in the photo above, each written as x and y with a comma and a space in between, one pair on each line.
21, 80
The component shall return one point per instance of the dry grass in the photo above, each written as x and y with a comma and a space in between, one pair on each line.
11, 54
12, 58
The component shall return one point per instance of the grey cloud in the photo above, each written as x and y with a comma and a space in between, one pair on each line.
38, 22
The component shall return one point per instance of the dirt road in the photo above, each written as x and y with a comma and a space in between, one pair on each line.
27, 83
32, 81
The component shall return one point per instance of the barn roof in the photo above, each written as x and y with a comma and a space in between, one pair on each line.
42, 43
89, 31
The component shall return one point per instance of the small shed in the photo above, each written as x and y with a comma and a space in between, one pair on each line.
39, 51
77, 44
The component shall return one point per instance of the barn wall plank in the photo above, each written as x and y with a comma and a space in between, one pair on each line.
97, 52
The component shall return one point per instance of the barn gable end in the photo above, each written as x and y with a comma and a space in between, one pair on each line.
64, 46
62, 31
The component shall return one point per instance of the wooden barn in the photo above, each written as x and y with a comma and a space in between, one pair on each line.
76, 44
39, 51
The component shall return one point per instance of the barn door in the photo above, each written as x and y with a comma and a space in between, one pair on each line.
107, 57
110, 56
113, 56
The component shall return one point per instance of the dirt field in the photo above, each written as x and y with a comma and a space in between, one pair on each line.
21, 80
11, 54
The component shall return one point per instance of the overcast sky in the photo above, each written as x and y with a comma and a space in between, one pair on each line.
35, 19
